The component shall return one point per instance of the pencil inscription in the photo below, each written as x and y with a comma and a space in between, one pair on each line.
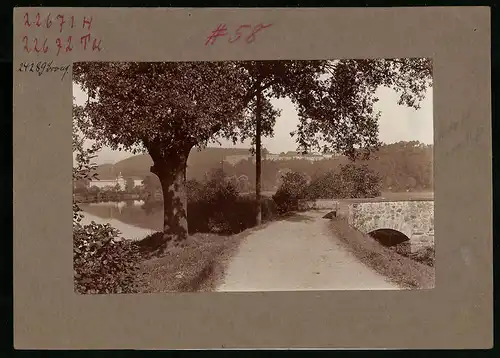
42, 67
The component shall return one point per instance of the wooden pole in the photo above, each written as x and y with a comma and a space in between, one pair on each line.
258, 110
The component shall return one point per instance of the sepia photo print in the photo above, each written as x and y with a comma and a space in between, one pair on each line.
253, 176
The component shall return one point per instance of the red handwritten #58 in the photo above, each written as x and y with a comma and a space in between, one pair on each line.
221, 31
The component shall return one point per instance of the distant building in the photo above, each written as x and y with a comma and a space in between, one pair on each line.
290, 155
233, 159
107, 184
137, 182
272, 157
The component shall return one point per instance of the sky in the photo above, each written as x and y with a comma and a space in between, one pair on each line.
396, 123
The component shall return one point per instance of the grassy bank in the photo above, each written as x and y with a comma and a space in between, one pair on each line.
199, 265
401, 270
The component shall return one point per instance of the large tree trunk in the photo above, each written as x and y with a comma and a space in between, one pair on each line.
171, 170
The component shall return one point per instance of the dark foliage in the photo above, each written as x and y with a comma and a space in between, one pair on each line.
350, 181
325, 186
216, 206
292, 189
102, 262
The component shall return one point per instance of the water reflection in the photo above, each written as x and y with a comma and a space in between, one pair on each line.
118, 205
133, 218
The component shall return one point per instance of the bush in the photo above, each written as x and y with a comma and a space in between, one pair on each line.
103, 263
194, 190
216, 206
228, 217
243, 214
208, 204
325, 186
358, 182
292, 189
351, 181
217, 191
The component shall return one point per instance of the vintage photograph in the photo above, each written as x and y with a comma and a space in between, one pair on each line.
253, 176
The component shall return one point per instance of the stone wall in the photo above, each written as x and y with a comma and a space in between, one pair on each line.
415, 219
318, 204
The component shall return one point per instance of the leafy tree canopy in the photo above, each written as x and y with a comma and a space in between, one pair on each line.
136, 105
169, 108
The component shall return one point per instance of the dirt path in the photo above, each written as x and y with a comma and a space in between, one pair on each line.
299, 253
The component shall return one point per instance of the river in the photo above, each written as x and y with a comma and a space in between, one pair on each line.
131, 218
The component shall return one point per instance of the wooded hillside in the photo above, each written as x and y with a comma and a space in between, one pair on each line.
402, 166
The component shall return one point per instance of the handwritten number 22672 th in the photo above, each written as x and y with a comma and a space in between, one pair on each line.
221, 31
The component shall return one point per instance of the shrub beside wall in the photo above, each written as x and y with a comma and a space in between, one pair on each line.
350, 181
292, 189
216, 206
228, 217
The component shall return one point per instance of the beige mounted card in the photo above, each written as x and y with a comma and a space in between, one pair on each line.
252, 178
